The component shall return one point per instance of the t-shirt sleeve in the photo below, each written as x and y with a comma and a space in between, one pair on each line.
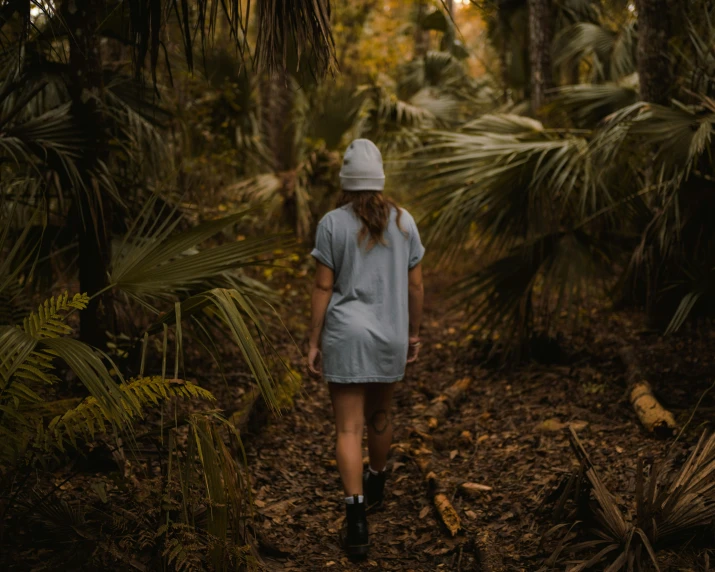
417, 250
323, 251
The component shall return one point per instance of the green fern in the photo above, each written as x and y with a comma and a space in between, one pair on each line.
19, 370
49, 320
88, 418
24, 413
48, 323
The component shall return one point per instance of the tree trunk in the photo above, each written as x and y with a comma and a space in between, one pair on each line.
421, 36
86, 87
540, 37
451, 33
654, 34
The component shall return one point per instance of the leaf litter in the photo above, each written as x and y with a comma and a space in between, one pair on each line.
502, 453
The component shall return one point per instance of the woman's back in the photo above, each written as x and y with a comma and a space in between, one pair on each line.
366, 325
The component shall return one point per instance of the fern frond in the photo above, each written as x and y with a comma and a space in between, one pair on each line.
49, 320
89, 419
47, 323
37, 368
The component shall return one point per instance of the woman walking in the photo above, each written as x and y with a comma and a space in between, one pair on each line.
366, 312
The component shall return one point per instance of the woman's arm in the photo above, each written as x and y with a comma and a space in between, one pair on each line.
322, 291
416, 294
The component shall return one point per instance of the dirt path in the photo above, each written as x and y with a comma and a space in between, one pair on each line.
516, 444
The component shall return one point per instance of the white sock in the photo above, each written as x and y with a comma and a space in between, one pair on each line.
351, 500
373, 471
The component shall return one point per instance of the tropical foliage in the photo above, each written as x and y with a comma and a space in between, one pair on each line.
159, 160
94, 193
605, 182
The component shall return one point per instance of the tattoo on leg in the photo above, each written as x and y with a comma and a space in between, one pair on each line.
380, 421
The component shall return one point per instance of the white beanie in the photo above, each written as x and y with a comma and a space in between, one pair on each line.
362, 167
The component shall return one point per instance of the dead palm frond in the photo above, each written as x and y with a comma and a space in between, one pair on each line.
672, 506
295, 28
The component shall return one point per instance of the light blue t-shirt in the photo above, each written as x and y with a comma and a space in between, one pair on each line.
366, 330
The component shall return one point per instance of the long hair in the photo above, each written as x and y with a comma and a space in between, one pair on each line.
373, 209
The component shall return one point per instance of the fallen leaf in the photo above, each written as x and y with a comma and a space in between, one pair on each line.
424, 512
474, 489
552, 424
453, 454
470, 514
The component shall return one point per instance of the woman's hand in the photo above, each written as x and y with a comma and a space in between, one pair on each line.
414, 349
313, 358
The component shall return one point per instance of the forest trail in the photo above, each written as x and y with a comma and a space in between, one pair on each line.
516, 444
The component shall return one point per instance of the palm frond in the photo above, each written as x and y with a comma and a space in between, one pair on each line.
226, 486
504, 183
699, 58
295, 26
670, 505
155, 260
680, 135
440, 70
442, 107
591, 103
14, 263
549, 277
235, 312
393, 124
611, 54
504, 124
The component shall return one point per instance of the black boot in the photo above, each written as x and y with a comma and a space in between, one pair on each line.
354, 532
373, 487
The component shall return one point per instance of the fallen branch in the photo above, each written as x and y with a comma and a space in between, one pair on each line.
423, 454
652, 415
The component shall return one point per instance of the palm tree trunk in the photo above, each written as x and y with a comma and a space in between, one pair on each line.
540, 37
654, 35
86, 87
450, 34
421, 36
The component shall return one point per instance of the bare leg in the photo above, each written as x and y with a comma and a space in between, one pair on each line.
349, 408
378, 411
